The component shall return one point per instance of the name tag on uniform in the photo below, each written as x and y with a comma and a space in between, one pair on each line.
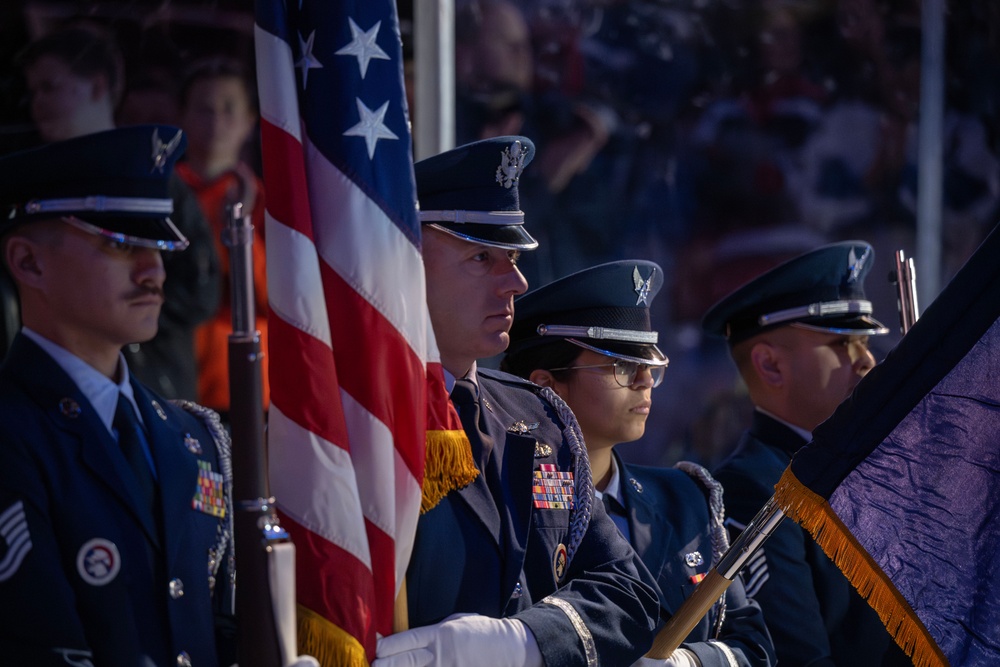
209, 495
552, 489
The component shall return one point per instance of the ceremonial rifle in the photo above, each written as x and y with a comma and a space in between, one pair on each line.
904, 277
265, 556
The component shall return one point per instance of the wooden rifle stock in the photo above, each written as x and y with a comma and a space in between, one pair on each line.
255, 523
904, 276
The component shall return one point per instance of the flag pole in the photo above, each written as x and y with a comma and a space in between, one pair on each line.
714, 585
261, 543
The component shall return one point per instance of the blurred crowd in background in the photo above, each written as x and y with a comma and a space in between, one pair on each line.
714, 137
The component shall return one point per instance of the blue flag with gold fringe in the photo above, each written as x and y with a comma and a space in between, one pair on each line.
901, 486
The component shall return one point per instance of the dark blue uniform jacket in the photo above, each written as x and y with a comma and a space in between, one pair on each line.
815, 616
668, 517
492, 551
85, 575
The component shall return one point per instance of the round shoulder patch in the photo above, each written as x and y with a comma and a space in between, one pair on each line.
98, 561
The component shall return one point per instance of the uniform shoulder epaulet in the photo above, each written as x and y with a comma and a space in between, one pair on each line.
508, 379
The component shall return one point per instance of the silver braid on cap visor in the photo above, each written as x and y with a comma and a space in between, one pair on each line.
100, 204
475, 217
155, 244
599, 333
820, 309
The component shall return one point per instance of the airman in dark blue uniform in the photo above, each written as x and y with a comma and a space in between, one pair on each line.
115, 504
589, 337
538, 572
799, 337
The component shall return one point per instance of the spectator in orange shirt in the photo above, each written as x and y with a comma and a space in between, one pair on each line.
218, 115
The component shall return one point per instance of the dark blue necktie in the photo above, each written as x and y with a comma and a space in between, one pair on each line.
465, 397
130, 439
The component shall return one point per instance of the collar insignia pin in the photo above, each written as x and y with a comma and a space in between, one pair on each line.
69, 408
636, 484
694, 559
160, 412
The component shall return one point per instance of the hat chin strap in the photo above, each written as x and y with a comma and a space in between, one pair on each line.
819, 309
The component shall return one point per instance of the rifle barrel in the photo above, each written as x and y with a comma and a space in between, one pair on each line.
255, 523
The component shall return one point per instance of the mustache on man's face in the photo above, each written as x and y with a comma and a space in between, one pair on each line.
145, 290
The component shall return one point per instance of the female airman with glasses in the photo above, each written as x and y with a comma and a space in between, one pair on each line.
588, 337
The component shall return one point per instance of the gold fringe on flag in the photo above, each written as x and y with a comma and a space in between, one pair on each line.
330, 645
816, 516
448, 465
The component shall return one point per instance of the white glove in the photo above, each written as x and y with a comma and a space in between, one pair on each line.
299, 661
679, 658
461, 639
304, 661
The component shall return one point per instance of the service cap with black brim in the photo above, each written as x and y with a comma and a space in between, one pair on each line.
471, 192
604, 309
113, 184
822, 290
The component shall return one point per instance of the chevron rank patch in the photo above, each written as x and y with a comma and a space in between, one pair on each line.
552, 489
209, 495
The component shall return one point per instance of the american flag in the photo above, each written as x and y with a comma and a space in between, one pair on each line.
350, 337
901, 486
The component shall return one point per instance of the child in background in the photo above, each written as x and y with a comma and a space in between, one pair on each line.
218, 116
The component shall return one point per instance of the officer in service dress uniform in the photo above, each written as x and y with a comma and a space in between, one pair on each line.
799, 337
537, 571
588, 337
115, 532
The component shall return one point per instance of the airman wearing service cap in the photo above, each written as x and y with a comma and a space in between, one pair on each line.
539, 577
588, 337
799, 336
117, 503
120, 195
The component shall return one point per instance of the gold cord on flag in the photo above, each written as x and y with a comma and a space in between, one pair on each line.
329, 644
815, 515
448, 465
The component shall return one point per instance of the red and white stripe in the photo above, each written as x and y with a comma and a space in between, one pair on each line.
349, 345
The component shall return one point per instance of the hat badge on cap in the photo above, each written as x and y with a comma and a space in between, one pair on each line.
642, 287
855, 265
511, 164
162, 151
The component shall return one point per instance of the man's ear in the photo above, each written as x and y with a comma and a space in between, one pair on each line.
542, 378
23, 262
765, 358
